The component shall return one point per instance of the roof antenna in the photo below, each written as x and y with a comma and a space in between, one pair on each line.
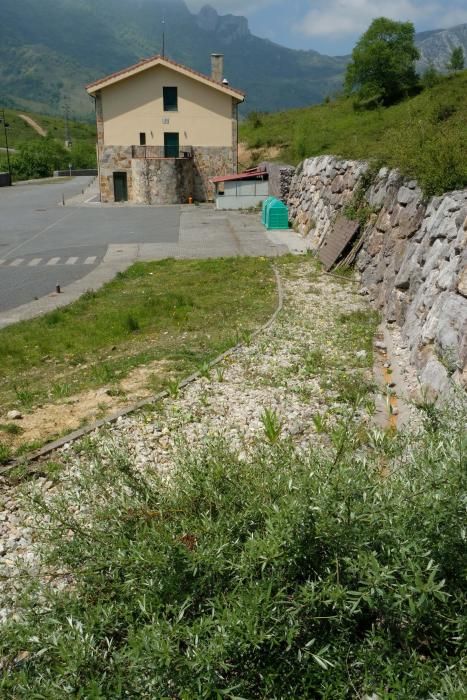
163, 38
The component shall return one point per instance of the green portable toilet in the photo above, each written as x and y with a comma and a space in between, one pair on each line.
265, 208
277, 215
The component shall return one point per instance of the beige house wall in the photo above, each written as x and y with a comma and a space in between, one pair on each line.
134, 105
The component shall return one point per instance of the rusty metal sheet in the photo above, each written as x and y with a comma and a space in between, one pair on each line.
337, 240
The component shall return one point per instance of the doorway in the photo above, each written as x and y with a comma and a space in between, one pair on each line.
171, 145
120, 187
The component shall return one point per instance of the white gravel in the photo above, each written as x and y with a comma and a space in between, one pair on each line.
270, 373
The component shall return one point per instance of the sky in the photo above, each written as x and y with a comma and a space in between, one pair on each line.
333, 26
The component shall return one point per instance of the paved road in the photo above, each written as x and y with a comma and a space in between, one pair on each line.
43, 243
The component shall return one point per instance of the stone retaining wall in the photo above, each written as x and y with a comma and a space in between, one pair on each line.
413, 261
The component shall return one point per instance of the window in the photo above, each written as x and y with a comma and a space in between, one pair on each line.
142, 138
170, 99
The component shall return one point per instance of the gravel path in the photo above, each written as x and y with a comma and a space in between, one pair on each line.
291, 369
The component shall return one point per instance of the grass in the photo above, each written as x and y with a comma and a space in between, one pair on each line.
20, 131
423, 136
181, 313
290, 574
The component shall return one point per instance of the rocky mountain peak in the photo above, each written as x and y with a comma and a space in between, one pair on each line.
229, 27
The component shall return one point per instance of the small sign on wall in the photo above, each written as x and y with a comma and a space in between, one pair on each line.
165, 120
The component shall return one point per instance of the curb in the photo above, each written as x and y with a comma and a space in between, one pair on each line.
82, 432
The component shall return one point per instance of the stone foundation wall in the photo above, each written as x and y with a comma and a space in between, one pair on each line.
114, 159
168, 181
413, 260
208, 163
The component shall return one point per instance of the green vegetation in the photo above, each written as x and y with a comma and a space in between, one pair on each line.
331, 573
19, 131
382, 69
36, 156
424, 136
457, 60
181, 313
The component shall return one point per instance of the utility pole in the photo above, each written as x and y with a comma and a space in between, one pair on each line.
163, 38
67, 125
5, 130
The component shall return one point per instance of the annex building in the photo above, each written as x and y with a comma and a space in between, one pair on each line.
164, 131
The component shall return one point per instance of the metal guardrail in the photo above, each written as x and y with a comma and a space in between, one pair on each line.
159, 152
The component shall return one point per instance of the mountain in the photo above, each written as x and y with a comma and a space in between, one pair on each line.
436, 46
50, 50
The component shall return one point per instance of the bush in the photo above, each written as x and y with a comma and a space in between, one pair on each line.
40, 158
36, 159
82, 155
443, 112
328, 574
430, 77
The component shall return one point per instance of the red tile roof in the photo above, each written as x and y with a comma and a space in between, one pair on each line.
253, 172
157, 57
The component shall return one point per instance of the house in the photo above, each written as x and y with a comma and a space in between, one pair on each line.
164, 130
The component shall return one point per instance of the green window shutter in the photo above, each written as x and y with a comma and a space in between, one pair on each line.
170, 99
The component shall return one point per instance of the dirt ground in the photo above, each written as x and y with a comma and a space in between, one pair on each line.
53, 419
248, 157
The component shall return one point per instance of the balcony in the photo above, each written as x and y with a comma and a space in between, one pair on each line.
160, 152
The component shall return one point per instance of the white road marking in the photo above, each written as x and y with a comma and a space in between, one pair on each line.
91, 260
34, 262
17, 262
71, 261
53, 261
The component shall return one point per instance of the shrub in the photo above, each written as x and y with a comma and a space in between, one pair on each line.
36, 159
443, 112
324, 574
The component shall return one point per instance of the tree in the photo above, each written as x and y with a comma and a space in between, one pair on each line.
382, 69
431, 77
39, 158
457, 60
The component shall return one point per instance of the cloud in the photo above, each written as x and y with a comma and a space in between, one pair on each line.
346, 17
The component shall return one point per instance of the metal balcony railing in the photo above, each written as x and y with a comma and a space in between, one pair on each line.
158, 152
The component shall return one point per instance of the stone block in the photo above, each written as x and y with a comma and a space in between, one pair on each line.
462, 282
405, 196
411, 218
435, 378
448, 274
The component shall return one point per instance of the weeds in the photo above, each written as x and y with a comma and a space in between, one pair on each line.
11, 428
272, 425
320, 421
289, 574
5, 453
173, 387
204, 370
132, 324
25, 396
220, 372
314, 361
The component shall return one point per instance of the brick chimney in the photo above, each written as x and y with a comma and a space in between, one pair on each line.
217, 67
